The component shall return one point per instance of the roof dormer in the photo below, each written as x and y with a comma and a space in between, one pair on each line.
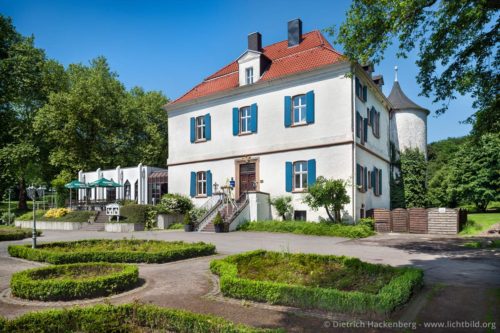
253, 62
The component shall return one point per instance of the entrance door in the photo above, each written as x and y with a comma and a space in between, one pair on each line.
247, 177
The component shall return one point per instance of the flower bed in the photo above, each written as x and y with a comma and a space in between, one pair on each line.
58, 215
105, 250
14, 233
313, 281
122, 318
74, 281
310, 228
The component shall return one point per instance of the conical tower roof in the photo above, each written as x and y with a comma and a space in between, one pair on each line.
400, 101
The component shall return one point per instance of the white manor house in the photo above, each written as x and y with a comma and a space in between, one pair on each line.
281, 115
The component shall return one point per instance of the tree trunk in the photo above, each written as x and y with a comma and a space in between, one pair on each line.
332, 218
22, 205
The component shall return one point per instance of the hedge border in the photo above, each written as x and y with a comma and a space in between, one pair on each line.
193, 250
24, 286
20, 234
396, 293
110, 318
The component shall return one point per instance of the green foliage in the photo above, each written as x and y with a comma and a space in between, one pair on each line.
368, 222
309, 228
97, 250
457, 43
13, 233
396, 292
73, 216
123, 318
218, 219
176, 226
135, 213
173, 203
187, 219
7, 218
414, 177
74, 281
493, 244
151, 219
283, 205
476, 171
330, 194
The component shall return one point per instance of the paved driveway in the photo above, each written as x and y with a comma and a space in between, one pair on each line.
186, 284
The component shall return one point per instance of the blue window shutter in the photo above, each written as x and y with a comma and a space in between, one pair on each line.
208, 127
365, 93
358, 124
358, 175
288, 111
236, 121
365, 184
311, 172
193, 184
209, 183
288, 176
356, 85
310, 107
192, 133
253, 118
380, 182
365, 130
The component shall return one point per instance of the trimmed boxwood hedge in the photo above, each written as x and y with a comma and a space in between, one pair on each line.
55, 283
397, 292
165, 251
123, 318
14, 233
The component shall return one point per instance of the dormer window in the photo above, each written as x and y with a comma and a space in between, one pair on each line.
249, 75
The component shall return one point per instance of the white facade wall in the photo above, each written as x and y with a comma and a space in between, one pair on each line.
330, 140
120, 175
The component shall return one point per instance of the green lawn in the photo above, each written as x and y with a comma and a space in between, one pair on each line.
14, 233
74, 216
479, 222
310, 228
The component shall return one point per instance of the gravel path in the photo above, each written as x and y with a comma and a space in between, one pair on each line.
189, 285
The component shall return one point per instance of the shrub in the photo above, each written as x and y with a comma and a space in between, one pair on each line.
283, 205
126, 202
176, 226
122, 318
8, 218
135, 213
187, 219
173, 203
105, 250
218, 219
331, 194
56, 212
309, 228
397, 292
13, 233
71, 216
368, 222
73, 281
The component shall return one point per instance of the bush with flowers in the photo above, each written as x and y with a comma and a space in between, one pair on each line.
56, 212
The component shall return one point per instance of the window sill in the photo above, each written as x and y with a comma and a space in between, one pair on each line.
299, 191
299, 125
245, 133
200, 141
362, 100
201, 196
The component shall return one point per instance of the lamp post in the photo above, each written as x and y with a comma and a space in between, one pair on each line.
32, 195
10, 190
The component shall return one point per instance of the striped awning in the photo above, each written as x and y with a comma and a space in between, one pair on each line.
158, 177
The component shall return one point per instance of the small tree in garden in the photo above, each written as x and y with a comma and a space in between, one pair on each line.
173, 203
330, 194
283, 205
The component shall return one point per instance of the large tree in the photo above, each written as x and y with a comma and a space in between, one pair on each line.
457, 44
96, 122
27, 78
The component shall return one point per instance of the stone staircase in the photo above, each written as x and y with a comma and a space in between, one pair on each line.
225, 210
98, 224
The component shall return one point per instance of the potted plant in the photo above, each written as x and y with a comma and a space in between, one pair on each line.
218, 223
188, 224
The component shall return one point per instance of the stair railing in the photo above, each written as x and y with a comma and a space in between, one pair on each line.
241, 203
211, 207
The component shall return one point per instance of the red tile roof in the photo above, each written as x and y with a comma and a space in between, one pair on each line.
313, 51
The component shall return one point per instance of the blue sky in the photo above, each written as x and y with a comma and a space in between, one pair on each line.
172, 45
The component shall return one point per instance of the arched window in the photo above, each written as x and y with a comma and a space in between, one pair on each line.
136, 190
126, 190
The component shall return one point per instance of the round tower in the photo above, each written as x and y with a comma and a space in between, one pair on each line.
408, 124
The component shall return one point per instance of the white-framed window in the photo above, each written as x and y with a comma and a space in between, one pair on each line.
300, 175
245, 116
201, 183
249, 75
200, 128
299, 109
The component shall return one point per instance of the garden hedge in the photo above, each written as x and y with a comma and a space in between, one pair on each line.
53, 283
397, 292
122, 318
44, 252
13, 233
